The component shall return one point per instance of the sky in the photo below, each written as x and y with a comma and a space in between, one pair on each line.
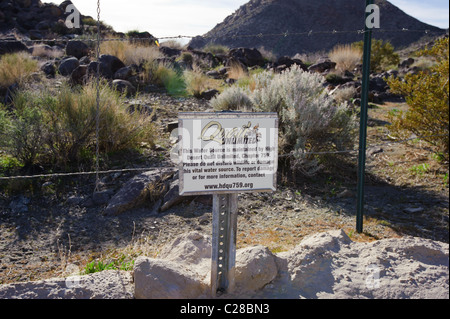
164, 18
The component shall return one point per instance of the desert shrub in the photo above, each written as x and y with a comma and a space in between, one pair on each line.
16, 67
310, 120
166, 76
135, 54
426, 94
346, 57
236, 71
382, 56
197, 82
49, 128
22, 131
344, 95
131, 53
216, 49
233, 98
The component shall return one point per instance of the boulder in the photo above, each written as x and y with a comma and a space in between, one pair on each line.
378, 84
322, 65
68, 65
124, 87
109, 284
137, 190
162, 279
172, 197
78, 75
249, 57
123, 73
208, 94
49, 69
77, 49
109, 65
12, 46
285, 62
255, 268
170, 52
111, 62
406, 63
191, 248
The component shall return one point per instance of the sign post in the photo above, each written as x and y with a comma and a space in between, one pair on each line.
364, 111
224, 154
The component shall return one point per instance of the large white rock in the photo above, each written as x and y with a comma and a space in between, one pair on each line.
163, 279
255, 268
110, 284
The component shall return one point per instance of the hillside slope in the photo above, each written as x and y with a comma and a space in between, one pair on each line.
302, 16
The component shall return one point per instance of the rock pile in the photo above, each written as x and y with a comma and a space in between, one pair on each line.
325, 265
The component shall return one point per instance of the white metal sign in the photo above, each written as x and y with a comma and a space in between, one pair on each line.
223, 153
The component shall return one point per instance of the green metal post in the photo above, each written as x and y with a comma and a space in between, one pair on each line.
363, 124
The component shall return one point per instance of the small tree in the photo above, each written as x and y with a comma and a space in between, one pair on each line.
427, 96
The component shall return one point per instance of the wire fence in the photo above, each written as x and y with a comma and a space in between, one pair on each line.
234, 36
99, 39
149, 168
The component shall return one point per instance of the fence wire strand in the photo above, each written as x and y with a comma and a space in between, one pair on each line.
234, 36
144, 169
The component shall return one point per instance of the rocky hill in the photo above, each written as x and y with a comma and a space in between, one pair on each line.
302, 16
36, 20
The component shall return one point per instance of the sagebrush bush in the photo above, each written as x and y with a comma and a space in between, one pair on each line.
426, 94
56, 129
16, 68
233, 98
310, 120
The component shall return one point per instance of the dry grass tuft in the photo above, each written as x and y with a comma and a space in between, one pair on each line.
346, 57
16, 68
130, 53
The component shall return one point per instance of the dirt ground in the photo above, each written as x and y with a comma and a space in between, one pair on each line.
55, 223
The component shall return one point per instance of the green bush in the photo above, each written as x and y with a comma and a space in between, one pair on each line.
310, 120
58, 129
165, 76
426, 94
382, 56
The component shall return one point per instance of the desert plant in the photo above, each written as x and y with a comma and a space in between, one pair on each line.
16, 68
382, 55
346, 57
165, 76
426, 94
232, 99
236, 71
216, 49
344, 95
310, 120
131, 53
56, 129
197, 82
